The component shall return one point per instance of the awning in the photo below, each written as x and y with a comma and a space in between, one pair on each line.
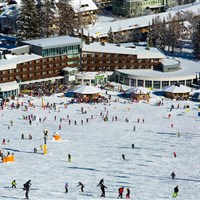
42, 80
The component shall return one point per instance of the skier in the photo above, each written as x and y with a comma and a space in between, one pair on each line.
123, 156
102, 186
14, 184
22, 137
26, 188
134, 128
176, 190
4, 142
173, 175
174, 154
82, 186
133, 146
128, 193
69, 157
179, 134
66, 187
120, 190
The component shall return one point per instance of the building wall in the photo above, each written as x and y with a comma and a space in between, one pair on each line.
39, 69
110, 62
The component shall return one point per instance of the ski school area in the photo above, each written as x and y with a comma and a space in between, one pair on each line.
130, 145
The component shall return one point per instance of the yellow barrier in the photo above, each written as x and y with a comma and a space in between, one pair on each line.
45, 149
9, 158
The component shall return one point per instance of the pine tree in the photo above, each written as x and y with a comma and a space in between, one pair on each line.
49, 18
65, 18
196, 40
27, 26
149, 37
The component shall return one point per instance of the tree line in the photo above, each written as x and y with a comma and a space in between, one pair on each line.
46, 18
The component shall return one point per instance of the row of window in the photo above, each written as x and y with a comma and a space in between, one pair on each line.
156, 84
60, 51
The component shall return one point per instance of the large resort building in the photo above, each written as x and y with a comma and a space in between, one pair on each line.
68, 59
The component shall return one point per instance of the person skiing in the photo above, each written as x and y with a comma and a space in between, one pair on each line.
127, 193
173, 175
133, 146
174, 154
123, 156
120, 190
66, 187
176, 190
14, 184
133, 128
69, 157
4, 142
82, 186
26, 188
179, 134
102, 186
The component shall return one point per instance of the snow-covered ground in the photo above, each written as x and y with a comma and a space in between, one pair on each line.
96, 148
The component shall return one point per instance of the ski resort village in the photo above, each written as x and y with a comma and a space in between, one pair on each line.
100, 99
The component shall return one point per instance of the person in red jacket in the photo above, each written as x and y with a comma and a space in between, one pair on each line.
174, 154
121, 190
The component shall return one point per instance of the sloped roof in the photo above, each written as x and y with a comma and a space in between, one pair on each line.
84, 89
177, 89
138, 90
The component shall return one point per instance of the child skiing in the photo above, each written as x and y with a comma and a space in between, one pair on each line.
14, 184
176, 190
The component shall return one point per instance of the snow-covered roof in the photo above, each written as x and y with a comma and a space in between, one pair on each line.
53, 41
101, 29
85, 89
177, 89
12, 62
9, 86
82, 5
169, 61
140, 51
138, 90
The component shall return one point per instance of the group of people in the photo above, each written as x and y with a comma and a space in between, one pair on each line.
26, 187
102, 187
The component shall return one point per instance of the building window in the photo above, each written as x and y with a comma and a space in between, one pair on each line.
140, 83
182, 82
165, 83
148, 84
156, 84
173, 82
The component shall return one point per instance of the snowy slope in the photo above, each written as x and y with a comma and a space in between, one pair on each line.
96, 148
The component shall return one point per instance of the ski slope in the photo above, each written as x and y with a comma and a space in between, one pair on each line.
96, 148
